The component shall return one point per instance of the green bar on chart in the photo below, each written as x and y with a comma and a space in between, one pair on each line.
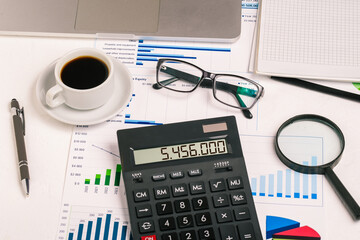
107, 177
117, 175
87, 181
97, 179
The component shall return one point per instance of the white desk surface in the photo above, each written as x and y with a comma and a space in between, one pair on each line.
21, 61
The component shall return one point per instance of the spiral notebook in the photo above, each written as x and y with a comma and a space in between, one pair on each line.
309, 39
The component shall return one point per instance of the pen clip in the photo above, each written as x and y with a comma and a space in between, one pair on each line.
21, 113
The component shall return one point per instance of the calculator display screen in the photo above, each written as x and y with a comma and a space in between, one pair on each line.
181, 151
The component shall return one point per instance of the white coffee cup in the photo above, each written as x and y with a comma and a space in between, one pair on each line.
84, 90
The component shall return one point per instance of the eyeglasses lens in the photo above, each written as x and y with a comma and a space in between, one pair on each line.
235, 91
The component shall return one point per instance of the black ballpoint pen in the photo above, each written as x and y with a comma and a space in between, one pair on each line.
19, 130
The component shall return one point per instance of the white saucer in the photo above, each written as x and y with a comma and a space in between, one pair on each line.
118, 101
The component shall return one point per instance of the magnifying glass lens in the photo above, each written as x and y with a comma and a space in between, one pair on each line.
309, 142
313, 144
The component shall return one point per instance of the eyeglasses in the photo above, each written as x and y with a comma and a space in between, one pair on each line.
232, 90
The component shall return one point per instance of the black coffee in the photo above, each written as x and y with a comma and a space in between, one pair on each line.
84, 73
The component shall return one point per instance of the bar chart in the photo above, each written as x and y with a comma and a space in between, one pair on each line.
98, 178
287, 185
98, 223
151, 52
143, 54
272, 182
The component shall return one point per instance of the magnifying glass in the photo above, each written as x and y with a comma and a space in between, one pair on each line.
313, 144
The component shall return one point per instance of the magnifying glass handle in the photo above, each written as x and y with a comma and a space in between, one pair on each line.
343, 193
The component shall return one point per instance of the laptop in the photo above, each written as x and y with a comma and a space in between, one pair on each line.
203, 20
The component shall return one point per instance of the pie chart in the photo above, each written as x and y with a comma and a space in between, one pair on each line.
279, 228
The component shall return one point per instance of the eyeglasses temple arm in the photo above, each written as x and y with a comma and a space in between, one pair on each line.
237, 90
246, 112
234, 90
177, 75
165, 82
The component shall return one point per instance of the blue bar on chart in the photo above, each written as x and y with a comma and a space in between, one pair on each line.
306, 183
279, 183
158, 55
115, 230
80, 231
253, 186
143, 122
313, 179
271, 185
107, 226
88, 231
123, 232
296, 185
262, 186
288, 184
177, 47
305, 186
98, 228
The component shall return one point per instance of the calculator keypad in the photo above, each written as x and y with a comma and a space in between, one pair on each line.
186, 205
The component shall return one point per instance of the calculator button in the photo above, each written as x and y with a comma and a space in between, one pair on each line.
246, 231
194, 172
169, 236
238, 198
223, 216
179, 190
146, 226
182, 205
217, 185
221, 200
137, 177
228, 232
206, 234
163, 208
200, 203
167, 224
149, 237
203, 219
138, 180
241, 213
177, 174
162, 192
235, 183
141, 195
143, 211
185, 221
197, 187
158, 177
188, 235
224, 169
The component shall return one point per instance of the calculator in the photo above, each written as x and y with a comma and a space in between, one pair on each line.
187, 181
